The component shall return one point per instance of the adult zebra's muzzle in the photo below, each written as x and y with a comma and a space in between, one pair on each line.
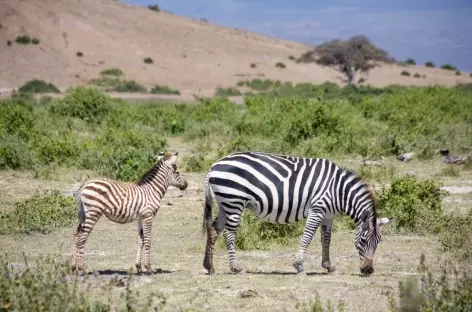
367, 267
183, 186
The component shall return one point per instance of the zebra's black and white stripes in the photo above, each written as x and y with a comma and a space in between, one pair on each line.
124, 202
284, 189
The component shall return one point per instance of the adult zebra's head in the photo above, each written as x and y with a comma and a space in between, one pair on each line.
368, 236
169, 160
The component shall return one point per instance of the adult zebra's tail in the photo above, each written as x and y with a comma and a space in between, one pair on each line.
207, 206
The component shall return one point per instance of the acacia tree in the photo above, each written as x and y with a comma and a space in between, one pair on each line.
357, 54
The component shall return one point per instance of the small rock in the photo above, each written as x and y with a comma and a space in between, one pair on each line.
248, 293
405, 157
457, 160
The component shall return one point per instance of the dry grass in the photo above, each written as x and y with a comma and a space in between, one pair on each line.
177, 255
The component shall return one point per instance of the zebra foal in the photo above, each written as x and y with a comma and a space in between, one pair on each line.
284, 189
124, 202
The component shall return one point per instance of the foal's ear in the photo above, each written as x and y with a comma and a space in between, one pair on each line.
171, 158
382, 221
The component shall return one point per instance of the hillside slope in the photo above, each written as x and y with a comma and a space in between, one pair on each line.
188, 55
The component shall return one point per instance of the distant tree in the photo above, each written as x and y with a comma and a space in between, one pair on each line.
357, 54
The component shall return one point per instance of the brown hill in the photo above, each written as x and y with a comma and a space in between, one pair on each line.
189, 55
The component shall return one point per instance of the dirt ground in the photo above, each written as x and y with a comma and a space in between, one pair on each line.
178, 248
192, 56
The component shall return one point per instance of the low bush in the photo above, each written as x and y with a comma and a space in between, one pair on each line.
148, 60
429, 64
449, 67
164, 90
410, 61
130, 86
280, 65
42, 212
79, 54
417, 75
35, 41
456, 236
87, 104
38, 86
23, 39
415, 205
405, 73
112, 72
227, 92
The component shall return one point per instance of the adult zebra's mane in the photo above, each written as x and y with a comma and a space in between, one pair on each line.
358, 179
144, 178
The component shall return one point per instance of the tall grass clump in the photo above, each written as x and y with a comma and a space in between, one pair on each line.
46, 284
42, 212
451, 291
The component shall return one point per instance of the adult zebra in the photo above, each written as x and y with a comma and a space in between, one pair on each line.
124, 202
284, 189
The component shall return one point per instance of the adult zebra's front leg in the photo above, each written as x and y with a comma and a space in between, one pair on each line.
140, 246
314, 219
326, 226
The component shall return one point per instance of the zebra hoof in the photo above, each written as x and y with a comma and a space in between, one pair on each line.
236, 269
328, 266
210, 269
300, 268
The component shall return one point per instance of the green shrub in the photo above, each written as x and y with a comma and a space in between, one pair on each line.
292, 58
458, 73
42, 212
154, 7
38, 86
35, 41
8, 42
23, 39
164, 90
47, 285
112, 72
79, 54
417, 75
87, 104
405, 73
253, 65
410, 61
448, 67
148, 60
452, 291
130, 86
415, 205
280, 65
429, 64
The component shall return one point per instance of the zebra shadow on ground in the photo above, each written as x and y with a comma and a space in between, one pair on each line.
127, 273
284, 273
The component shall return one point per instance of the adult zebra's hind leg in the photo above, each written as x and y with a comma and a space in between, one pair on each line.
212, 235
312, 223
230, 237
326, 226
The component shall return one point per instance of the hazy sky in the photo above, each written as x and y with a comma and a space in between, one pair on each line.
426, 30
